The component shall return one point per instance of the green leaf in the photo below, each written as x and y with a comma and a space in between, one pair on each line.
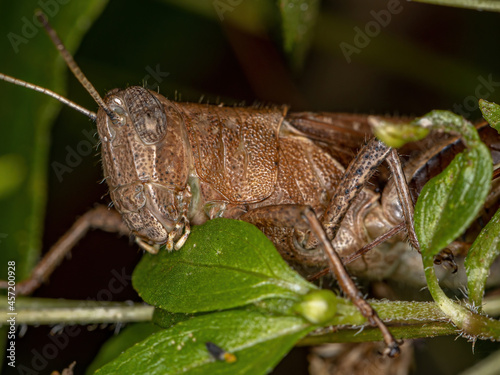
26, 118
492, 5
257, 340
166, 319
450, 201
451, 123
224, 264
491, 113
483, 252
274, 306
121, 342
298, 18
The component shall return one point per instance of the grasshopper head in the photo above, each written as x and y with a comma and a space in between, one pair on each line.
145, 156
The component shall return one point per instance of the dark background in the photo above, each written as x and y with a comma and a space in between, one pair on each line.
427, 57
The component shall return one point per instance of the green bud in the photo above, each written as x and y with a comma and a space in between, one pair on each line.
318, 306
397, 135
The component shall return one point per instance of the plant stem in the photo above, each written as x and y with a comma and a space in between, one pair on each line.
472, 324
373, 334
405, 319
51, 311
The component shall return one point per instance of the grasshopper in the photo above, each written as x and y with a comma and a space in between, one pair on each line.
169, 165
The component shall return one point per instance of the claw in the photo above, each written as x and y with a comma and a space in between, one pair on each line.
392, 351
153, 249
185, 235
447, 259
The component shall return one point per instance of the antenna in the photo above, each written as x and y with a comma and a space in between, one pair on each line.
72, 65
75, 69
50, 93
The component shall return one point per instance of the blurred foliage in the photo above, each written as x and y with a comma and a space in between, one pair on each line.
26, 119
492, 5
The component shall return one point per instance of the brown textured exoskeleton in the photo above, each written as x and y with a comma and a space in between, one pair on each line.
170, 165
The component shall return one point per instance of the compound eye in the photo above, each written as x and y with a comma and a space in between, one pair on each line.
147, 114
